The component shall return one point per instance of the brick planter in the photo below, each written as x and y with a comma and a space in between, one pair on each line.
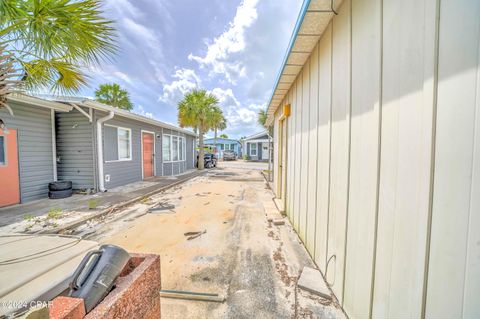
136, 295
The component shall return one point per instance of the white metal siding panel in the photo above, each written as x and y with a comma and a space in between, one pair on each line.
304, 152
298, 144
291, 159
454, 268
323, 146
364, 152
312, 153
339, 149
276, 149
34, 134
406, 143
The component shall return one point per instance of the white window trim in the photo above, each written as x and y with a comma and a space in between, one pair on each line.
154, 151
180, 138
4, 151
118, 144
256, 149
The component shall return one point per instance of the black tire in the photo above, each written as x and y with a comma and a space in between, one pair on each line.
60, 194
60, 186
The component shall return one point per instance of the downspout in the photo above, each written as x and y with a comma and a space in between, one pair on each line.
101, 179
54, 145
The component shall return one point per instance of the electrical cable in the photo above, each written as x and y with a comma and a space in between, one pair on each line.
43, 253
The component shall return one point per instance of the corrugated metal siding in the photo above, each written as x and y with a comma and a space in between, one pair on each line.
75, 149
371, 116
454, 269
34, 129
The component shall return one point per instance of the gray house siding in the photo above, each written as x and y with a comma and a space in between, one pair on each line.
75, 149
125, 171
259, 151
190, 142
129, 171
175, 168
34, 130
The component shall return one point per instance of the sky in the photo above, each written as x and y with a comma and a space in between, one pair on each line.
232, 48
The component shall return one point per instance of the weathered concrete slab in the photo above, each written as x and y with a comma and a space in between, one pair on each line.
312, 281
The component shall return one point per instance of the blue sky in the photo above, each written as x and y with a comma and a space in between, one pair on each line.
233, 48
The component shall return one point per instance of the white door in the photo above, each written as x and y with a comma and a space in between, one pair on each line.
264, 151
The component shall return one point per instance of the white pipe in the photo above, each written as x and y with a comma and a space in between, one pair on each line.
54, 145
101, 178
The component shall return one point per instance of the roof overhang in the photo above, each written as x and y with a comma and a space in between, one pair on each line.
89, 103
31, 100
314, 17
107, 108
256, 135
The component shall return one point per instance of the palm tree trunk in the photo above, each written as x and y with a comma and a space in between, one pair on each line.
201, 151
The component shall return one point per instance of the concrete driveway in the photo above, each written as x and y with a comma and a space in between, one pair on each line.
242, 256
241, 164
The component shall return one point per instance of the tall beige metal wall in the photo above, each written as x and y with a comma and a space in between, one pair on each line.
383, 157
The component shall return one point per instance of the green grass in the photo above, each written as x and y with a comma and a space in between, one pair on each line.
54, 213
92, 203
28, 217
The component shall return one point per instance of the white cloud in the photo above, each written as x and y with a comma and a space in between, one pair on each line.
123, 76
219, 52
225, 96
142, 33
185, 81
241, 120
138, 109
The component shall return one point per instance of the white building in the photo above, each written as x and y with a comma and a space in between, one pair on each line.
376, 115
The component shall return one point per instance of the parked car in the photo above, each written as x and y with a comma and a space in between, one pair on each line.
210, 161
229, 155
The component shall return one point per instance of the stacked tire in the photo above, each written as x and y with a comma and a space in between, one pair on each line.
60, 189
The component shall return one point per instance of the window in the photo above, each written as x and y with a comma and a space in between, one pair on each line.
253, 149
117, 143
232, 147
167, 155
124, 144
181, 148
174, 148
222, 146
2, 150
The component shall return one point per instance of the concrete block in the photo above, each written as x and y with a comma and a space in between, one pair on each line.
137, 291
279, 221
312, 281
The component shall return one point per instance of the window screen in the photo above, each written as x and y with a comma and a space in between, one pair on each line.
124, 140
175, 147
166, 147
253, 149
181, 148
2, 150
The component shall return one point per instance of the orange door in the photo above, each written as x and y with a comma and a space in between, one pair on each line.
9, 181
147, 141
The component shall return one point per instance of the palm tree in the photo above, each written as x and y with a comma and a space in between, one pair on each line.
218, 123
114, 95
224, 136
262, 117
48, 44
196, 110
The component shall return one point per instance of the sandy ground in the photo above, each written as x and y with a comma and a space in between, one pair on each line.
254, 264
